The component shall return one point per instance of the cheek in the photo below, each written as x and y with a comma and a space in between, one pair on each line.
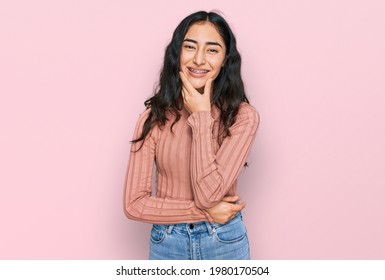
181, 59
217, 66
184, 57
216, 74
217, 63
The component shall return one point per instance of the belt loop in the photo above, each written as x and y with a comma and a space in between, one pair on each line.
209, 228
169, 229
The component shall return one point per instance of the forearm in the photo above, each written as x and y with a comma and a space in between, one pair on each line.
154, 210
139, 203
212, 173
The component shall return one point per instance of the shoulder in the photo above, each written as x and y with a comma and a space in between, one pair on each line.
248, 111
246, 119
247, 108
143, 117
145, 114
141, 120
153, 134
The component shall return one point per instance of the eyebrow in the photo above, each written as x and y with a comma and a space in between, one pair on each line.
207, 43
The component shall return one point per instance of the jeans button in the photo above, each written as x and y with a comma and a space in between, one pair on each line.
191, 226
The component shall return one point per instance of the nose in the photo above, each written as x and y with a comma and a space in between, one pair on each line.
199, 57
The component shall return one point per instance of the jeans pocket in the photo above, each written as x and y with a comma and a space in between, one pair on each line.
158, 233
232, 232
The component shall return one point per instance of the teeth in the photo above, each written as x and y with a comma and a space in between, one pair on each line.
198, 71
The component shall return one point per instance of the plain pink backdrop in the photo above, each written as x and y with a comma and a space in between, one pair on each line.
73, 79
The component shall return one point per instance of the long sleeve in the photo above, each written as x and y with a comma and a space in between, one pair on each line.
139, 204
212, 174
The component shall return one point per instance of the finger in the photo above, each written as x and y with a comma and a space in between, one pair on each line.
184, 92
183, 78
186, 83
238, 207
208, 86
185, 97
230, 199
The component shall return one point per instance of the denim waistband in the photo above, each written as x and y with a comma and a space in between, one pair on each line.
198, 227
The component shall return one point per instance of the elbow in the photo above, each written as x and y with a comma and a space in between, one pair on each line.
131, 209
133, 214
130, 212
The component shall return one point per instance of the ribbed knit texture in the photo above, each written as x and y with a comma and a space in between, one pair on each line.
193, 170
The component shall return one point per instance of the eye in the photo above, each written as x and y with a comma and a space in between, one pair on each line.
189, 47
212, 50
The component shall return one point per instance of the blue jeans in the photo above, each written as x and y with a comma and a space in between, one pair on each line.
200, 241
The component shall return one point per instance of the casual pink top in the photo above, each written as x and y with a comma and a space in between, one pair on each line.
193, 171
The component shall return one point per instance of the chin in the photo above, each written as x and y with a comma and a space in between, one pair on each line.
198, 85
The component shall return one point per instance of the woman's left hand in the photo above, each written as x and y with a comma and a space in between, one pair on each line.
225, 210
193, 100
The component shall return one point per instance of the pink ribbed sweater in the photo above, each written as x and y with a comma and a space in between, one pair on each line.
193, 171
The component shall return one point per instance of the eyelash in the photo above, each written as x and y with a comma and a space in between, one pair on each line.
192, 47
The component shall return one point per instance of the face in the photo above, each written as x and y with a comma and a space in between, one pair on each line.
202, 55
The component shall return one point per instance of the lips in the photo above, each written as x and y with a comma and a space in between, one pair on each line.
197, 73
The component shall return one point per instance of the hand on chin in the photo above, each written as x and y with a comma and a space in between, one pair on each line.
200, 86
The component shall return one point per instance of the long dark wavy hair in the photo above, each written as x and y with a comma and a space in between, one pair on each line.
228, 90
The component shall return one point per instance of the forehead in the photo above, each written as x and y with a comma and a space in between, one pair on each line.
204, 32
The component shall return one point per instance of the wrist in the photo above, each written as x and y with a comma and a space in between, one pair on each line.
208, 216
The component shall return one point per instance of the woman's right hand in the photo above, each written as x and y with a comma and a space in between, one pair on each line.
225, 210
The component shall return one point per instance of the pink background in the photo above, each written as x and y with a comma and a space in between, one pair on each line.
73, 79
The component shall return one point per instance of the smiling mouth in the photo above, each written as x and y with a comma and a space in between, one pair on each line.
198, 71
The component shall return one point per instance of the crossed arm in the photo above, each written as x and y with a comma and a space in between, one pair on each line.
212, 174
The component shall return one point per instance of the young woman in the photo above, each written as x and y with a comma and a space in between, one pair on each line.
198, 128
